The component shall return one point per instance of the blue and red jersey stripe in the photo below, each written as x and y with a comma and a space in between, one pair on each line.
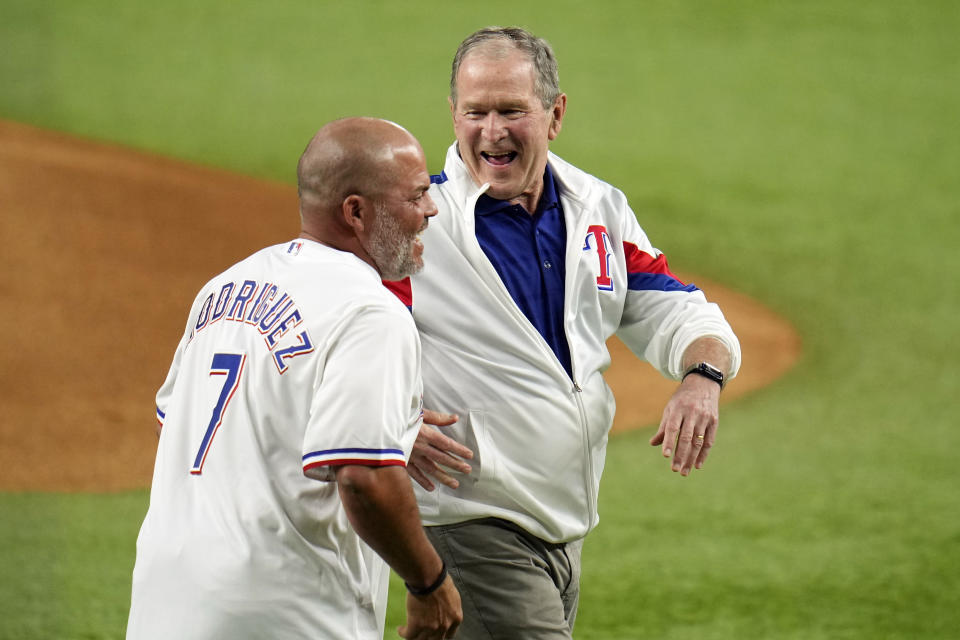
366, 457
648, 273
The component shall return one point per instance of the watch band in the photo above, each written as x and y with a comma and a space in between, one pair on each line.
707, 370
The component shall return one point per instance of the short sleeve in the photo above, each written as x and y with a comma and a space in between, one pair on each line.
366, 407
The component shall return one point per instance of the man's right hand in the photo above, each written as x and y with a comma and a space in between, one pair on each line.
435, 616
432, 451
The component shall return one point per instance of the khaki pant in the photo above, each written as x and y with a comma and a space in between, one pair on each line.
512, 584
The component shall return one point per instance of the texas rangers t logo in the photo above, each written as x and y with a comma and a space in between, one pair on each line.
598, 235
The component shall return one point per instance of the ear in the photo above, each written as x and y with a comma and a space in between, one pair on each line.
453, 113
356, 212
556, 115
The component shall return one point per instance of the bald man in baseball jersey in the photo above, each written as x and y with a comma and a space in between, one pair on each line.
288, 416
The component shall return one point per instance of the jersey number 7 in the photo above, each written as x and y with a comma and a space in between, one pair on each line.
231, 366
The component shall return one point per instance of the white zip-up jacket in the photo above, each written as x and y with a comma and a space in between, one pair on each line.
539, 437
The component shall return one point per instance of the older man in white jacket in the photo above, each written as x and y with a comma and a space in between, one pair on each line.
535, 265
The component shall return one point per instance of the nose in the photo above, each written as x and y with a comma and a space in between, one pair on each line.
493, 127
430, 207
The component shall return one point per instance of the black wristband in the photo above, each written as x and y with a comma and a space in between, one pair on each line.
707, 371
425, 591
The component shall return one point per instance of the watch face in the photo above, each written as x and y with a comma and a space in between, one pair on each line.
713, 371
708, 371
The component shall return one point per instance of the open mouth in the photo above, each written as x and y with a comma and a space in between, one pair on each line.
498, 159
418, 239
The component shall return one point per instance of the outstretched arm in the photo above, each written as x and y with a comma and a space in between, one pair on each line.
380, 505
688, 428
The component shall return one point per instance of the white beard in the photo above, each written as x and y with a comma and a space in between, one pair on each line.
391, 248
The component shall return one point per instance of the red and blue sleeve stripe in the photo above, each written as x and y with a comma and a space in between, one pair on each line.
366, 457
648, 273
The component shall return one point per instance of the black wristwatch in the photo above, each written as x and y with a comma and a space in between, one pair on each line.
706, 370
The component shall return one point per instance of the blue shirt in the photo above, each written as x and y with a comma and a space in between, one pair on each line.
529, 252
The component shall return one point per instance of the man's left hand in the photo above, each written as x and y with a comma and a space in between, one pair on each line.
689, 424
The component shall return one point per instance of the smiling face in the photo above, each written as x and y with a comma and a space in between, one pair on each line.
502, 128
402, 213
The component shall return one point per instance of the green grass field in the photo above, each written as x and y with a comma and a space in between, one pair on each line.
807, 154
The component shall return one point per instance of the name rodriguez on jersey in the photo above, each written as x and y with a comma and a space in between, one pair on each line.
263, 306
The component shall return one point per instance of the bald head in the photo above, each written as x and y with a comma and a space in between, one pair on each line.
350, 156
363, 186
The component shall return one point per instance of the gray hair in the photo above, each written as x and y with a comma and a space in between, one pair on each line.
546, 81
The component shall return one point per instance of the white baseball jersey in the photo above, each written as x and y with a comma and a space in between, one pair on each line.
292, 360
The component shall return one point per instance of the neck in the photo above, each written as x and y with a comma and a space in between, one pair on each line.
351, 245
529, 201
306, 235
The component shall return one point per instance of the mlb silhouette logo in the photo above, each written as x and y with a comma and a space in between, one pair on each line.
598, 240
294, 247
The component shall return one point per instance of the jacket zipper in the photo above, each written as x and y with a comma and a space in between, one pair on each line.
588, 456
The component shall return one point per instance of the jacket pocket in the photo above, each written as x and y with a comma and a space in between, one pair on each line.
484, 460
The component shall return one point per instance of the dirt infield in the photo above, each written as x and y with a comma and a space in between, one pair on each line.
104, 249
